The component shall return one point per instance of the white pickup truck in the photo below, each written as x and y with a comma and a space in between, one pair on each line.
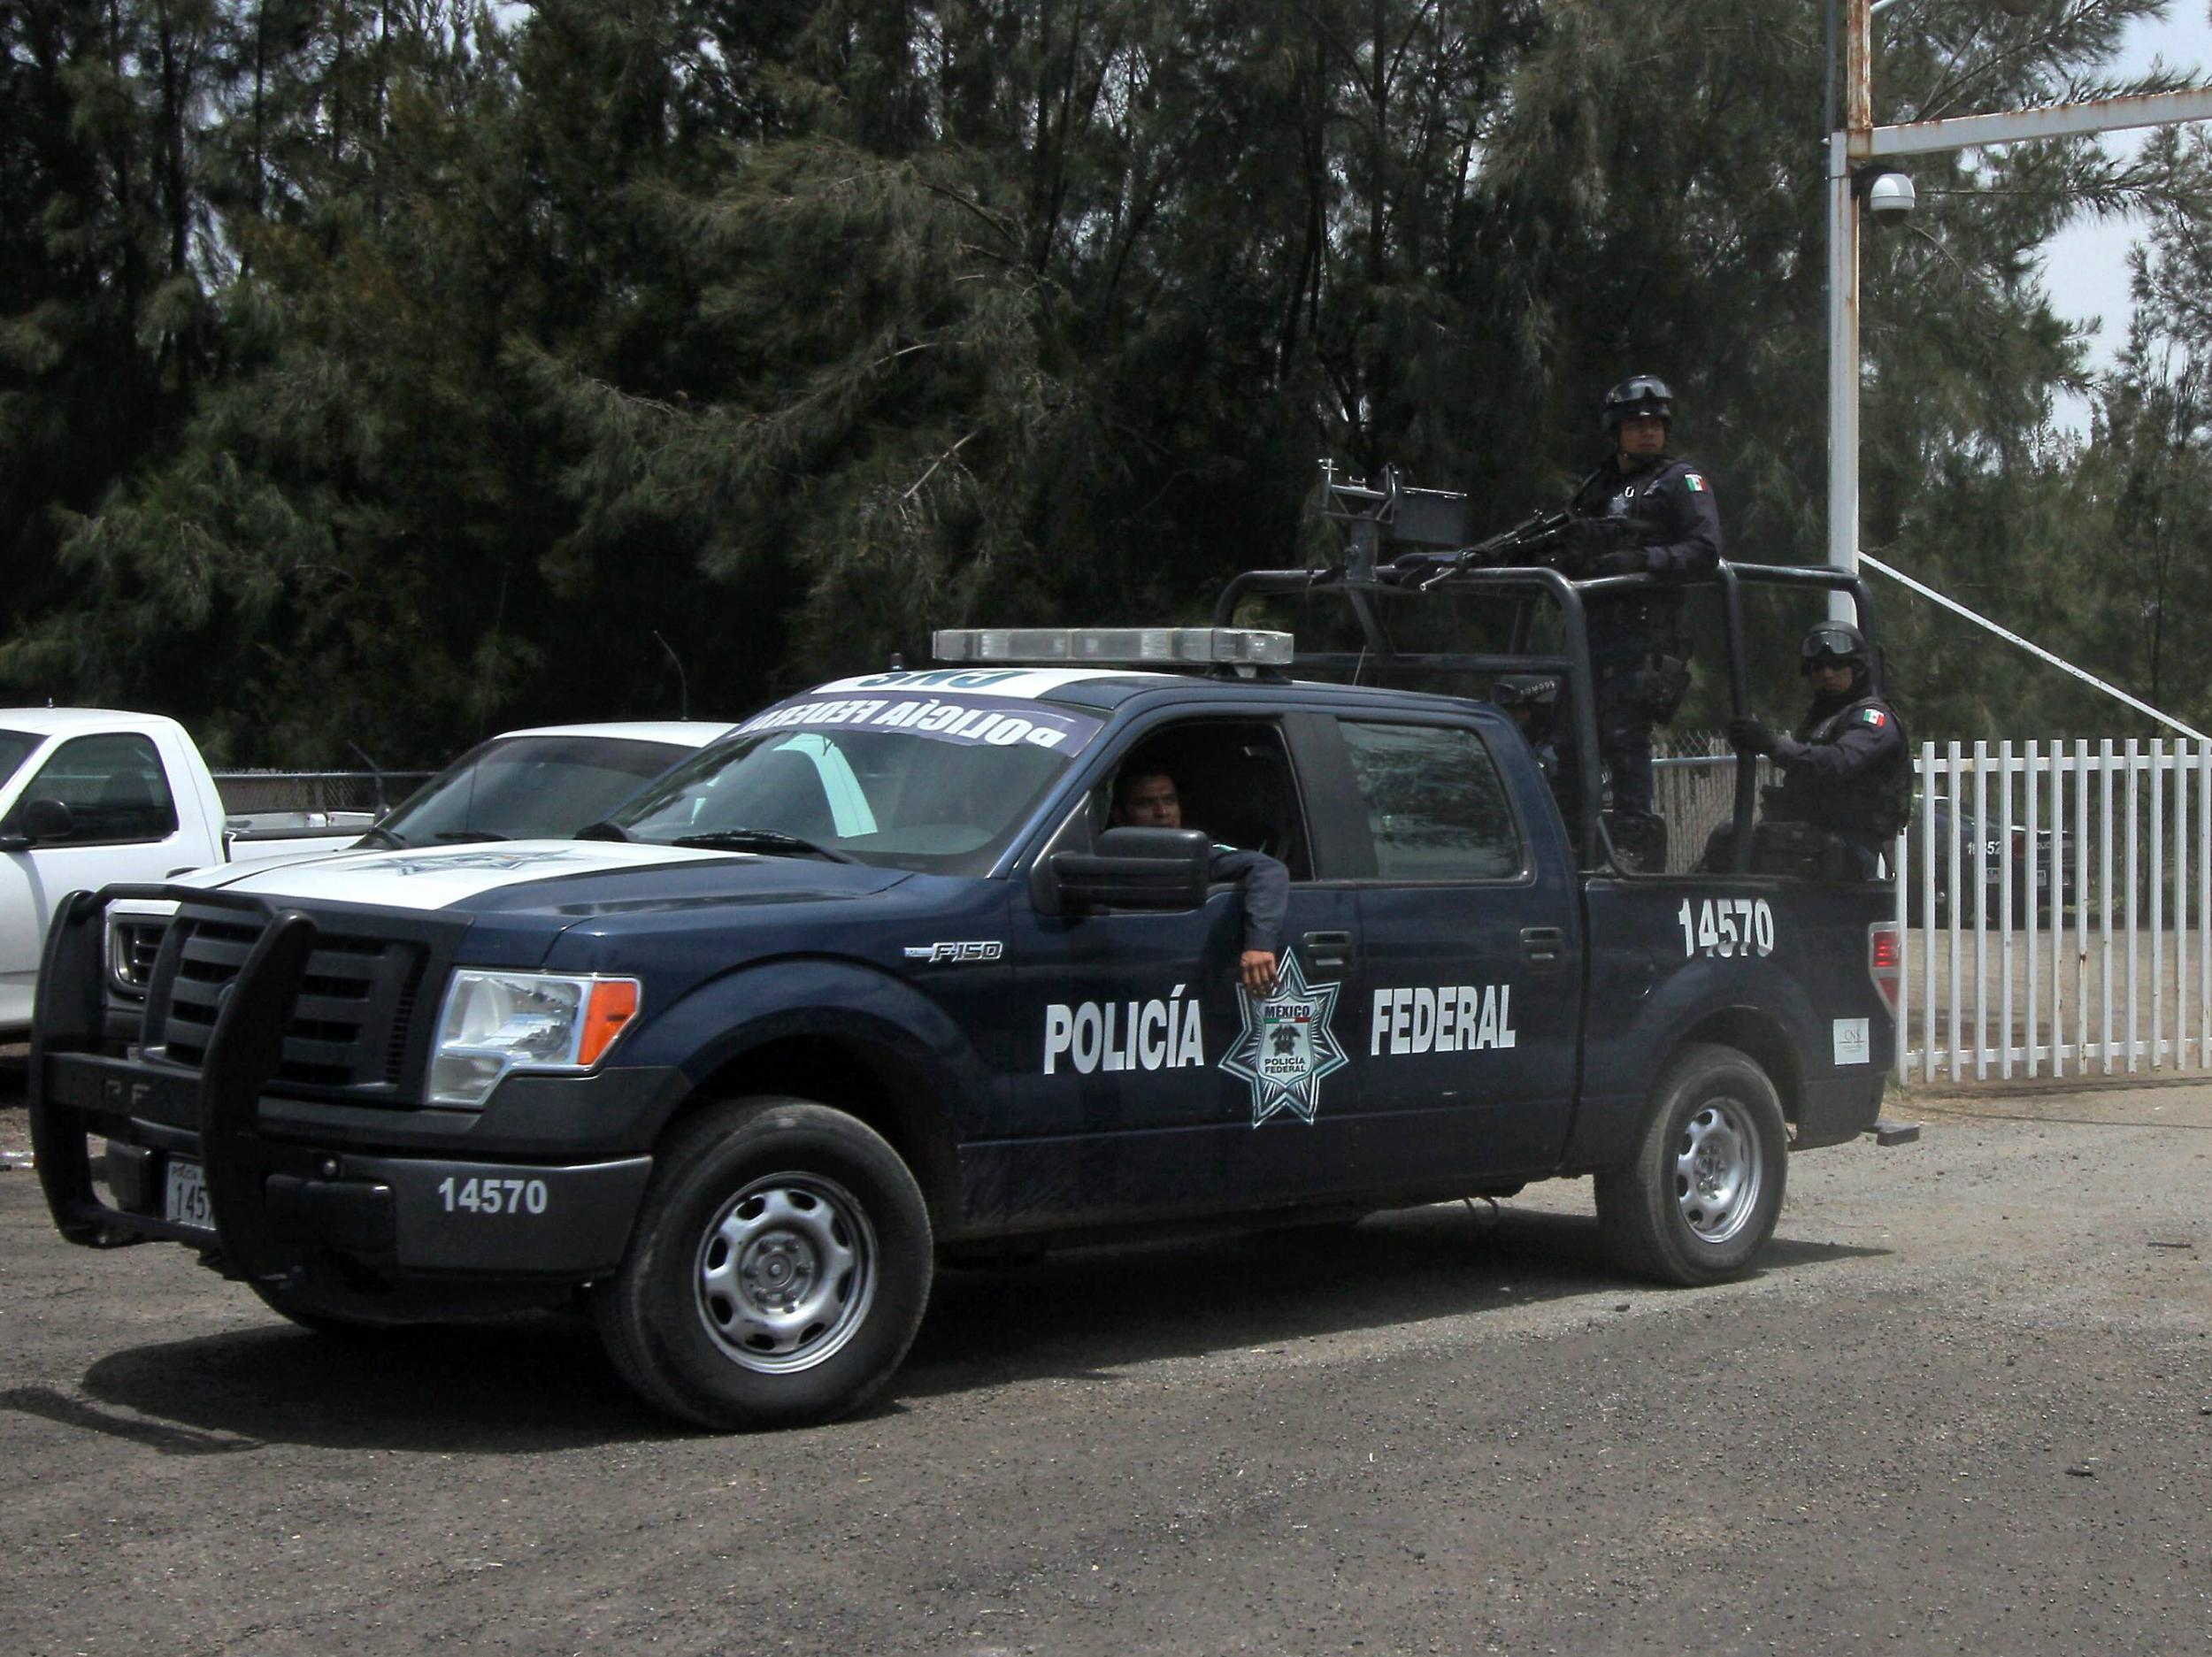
89, 796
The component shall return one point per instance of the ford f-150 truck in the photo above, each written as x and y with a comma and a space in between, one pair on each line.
879, 979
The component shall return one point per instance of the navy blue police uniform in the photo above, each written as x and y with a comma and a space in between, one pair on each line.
1848, 771
1266, 885
1662, 510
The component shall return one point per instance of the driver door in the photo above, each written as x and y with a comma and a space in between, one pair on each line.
1142, 1081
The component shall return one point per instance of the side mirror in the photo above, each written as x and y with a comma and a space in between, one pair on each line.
42, 821
1136, 869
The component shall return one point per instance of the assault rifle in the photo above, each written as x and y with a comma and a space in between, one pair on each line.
1431, 524
1539, 542
1540, 539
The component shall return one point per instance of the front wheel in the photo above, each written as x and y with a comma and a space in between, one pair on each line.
1702, 1191
779, 1270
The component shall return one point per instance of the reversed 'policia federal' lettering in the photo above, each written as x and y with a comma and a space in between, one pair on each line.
952, 720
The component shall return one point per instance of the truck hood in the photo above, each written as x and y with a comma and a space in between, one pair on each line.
573, 877
217, 876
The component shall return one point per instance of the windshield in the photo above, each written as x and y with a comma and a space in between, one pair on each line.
526, 788
15, 748
935, 783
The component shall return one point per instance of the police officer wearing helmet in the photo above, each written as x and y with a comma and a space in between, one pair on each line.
1643, 512
1531, 700
1848, 768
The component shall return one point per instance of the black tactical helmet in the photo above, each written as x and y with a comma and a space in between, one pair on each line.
1834, 641
1525, 690
1640, 396
1532, 698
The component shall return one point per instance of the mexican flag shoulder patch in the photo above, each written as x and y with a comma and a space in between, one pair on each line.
1694, 482
1874, 716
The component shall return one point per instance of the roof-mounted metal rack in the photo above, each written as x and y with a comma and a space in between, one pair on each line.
1389, 514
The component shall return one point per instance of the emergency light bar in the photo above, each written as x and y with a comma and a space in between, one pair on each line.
1117, 646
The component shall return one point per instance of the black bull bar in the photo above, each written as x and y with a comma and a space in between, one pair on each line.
70, 1080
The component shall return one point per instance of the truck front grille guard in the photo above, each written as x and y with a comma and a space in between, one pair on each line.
1360, 585
243, 1055
73, 1085
349, 1023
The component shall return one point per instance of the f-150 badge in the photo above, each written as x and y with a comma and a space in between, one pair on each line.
1287, 1045
955, 954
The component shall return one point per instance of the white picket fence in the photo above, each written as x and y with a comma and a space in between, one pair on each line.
2084, 871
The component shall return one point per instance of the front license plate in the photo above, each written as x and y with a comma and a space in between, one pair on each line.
188, 1194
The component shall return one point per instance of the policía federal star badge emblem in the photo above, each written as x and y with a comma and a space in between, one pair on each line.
1287, 1045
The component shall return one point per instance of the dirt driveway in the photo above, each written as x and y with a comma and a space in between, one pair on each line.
1966, 1407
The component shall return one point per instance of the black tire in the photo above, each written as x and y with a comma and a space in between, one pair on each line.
1702, 1191
778, 1271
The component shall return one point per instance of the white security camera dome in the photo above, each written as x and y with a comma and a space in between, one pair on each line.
1889, 195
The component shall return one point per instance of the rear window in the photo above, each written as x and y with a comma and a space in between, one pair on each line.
1435, 804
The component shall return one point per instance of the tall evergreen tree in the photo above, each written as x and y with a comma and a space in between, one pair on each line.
383, 371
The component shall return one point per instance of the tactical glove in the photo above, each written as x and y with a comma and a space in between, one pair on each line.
1592, 538
1751, 737
1623, 561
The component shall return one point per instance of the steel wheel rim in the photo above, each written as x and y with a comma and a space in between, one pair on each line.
1717, 1176
785, 1273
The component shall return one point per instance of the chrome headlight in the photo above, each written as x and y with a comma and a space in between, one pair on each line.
497, 1021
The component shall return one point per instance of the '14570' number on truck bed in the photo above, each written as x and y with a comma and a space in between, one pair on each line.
1726, 926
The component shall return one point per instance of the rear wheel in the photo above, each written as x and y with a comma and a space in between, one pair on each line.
779, 1270
1700, 1192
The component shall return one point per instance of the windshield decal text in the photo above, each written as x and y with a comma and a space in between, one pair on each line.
970, 721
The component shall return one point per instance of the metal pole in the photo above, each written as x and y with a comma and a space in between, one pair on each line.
1843, 296
1843, 360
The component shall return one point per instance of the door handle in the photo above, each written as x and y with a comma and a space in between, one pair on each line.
1544, 948
1328, 949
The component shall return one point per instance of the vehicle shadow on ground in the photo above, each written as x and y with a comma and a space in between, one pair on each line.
529, 1384
515, 1386
1090, 1313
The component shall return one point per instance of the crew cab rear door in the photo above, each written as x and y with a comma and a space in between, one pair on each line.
1470, 955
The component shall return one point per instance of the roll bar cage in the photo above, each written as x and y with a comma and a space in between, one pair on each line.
1432, 524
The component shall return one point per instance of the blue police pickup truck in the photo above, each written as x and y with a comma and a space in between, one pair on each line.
879, 979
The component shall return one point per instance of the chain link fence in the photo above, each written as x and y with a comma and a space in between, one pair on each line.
1693, 788
247, 792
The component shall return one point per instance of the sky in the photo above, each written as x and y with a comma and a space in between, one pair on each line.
2085, 267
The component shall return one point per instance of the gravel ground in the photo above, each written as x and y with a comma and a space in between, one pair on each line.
1966, 1406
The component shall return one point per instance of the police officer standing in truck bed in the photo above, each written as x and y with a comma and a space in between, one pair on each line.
1847, 769
1643, 512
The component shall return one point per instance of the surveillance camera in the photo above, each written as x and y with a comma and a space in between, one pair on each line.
1889, 196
